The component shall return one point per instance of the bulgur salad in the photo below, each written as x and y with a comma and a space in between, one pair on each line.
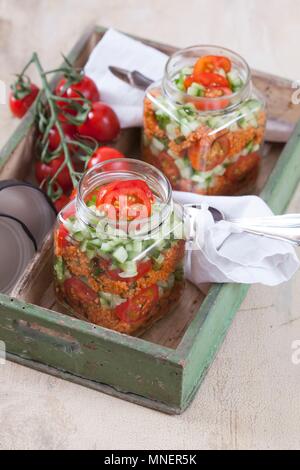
205, 139
96, 276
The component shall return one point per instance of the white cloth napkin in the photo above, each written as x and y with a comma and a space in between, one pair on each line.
122, 51
222, 255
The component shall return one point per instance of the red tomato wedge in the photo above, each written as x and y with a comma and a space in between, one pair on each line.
77, 289
142, 268
211, 63
209, 79
138, 308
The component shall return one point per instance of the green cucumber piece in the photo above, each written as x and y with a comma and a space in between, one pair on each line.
59, 268
120, 254
195, 90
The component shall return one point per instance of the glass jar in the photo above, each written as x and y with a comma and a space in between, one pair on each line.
206, 140
119, 274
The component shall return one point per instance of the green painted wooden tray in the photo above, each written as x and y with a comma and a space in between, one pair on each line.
164, 368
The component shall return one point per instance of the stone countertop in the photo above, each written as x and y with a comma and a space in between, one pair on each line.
250, 397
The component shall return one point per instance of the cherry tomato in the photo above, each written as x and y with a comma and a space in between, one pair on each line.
102, 123
54, 137
143, 267
102, 154
240, 169
209, 79
77, 289
45, 171
86, 87
169, 167
20, 106
61, 202
211, 63
138, 307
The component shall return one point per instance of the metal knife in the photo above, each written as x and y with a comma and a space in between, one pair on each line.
276, 131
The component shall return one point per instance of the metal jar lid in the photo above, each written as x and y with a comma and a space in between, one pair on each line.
17, 248
28, 204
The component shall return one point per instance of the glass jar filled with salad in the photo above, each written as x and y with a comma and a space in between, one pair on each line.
119, 247
204, 123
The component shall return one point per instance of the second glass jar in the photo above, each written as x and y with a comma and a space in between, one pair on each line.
206, 139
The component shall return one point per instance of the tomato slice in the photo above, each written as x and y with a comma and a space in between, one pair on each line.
135, 191
244, 165
79, 290
169, 167
211, 63
60, 239
213, 105
206, 154
142, 268
210, 79
136, 309
188, 81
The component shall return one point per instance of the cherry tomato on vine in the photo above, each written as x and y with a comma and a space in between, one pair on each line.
44, 171
20, 105
102, 154
54, 137
85, 88
138, 307
61, 202
102, 123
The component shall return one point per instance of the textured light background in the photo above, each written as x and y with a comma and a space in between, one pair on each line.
250, 398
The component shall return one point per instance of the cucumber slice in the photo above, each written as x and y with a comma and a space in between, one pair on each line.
195, 90
253, 105
158, 144
235, 80
172, 130
120, 255
137, 246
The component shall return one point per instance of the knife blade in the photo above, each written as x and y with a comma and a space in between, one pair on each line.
276, 131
